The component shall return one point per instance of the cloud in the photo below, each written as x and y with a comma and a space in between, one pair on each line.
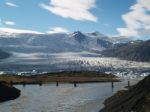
74, 9
11, 4
10, 23
58, 30
137, 20
11, 30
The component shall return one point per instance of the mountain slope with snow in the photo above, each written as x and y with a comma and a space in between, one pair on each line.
59, 51
4, 55
54, 43
134, 50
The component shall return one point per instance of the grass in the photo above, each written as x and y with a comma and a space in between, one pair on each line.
66, 77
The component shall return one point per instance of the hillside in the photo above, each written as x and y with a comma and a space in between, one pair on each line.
32, 48
135, 51
136, 99
4, 54
7, 92
54, 43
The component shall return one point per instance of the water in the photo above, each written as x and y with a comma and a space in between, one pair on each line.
86, 97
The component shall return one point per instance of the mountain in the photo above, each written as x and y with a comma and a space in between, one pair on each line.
33, 48
121, 39
104, 43
94, 40
59, 51
45, 48
78, 36
134, 50
54, 43
4, 54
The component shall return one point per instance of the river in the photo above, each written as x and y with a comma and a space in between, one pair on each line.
87, 97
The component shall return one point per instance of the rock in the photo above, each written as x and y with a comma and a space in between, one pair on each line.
136, 99
134, 51
7, 92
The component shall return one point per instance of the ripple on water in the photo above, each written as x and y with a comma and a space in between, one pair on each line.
65, 98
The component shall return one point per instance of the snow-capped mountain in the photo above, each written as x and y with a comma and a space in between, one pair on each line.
59, 51
59, 42
121, 39
134, 50
29, 47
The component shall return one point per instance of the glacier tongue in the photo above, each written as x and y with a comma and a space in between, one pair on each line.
50, 52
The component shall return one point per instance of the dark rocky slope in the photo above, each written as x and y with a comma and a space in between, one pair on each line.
136, 99
8, 92
135, 51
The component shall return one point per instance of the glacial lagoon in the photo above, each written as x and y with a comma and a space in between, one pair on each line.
86, 97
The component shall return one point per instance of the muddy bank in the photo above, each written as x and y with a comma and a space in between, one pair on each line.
64, 77
7, 92
135, 99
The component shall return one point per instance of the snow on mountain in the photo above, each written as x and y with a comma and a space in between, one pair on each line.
121, 39
93, 41
59, 42
59, 51
25, 47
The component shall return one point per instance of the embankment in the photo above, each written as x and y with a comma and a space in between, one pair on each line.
7, 92
65, 77
136, 99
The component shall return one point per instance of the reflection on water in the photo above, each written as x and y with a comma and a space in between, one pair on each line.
65, 98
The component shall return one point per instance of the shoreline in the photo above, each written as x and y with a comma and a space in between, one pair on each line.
8, 92
61, 77
136, 98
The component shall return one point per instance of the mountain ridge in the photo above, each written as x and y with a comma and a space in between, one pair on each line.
133, 50
76, 41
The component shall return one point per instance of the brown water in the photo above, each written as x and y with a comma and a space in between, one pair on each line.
87, 97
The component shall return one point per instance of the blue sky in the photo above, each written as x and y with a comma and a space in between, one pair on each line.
110, 17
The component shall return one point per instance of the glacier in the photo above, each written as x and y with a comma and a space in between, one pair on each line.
61, 52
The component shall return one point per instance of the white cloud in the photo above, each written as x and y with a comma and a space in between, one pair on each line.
137, 20
58, 30
11, 4
10, 23
11, 30
74, 9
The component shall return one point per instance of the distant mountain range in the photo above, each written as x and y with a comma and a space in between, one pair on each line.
37, 46
134, 50
4, 54
74, 51
54, 43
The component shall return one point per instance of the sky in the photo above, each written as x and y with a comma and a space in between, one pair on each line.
129, 18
